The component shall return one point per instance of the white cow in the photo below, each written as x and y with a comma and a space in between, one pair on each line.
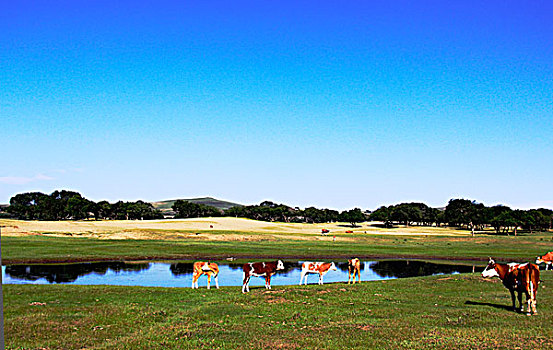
316, 267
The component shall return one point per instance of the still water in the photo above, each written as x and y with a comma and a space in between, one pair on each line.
179, 274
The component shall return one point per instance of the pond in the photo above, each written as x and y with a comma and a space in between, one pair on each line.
179, 274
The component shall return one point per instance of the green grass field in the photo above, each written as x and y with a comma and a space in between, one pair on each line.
60, 249
439, 312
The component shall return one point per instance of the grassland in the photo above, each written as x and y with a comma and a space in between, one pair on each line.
181, 228
438, 312
96, 241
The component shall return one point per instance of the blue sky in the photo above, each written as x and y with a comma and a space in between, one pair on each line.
322, 103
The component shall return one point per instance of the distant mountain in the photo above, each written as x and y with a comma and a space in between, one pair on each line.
165, 206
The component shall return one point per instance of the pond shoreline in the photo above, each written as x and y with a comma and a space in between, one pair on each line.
186, 257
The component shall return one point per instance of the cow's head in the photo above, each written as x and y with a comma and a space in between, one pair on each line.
490, 270
333, 267
280, 265
539, 260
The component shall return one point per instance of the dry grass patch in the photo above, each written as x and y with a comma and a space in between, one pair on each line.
168, 229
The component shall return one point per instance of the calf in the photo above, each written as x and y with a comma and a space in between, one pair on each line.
354, 267
316, 267
205, 268
522, 278
547, 259
266, 269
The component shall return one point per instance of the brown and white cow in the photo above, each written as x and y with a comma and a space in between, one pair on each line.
354, 267
547, 259
522, 278
260, 269
316, 267
205, 268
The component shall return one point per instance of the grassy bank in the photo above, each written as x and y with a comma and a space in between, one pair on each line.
64, 249
439, 312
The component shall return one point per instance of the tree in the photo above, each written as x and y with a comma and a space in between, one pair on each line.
104, 210
62, 207
460, 212
542, 218
548, 214
77, 207
186, 209
312, 215
383, 214
353, 216
236, 211
28, 206
498, 216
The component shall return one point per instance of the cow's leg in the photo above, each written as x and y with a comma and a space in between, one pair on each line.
533, 304
359, 276
303, 275
513, 299
268, 281
520, 301
320, 278
208, 280
245, 283
533, 295
216, 278
195, 277
349, 277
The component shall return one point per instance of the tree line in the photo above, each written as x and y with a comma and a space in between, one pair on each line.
70, 205
467, 214
462, 213
269, 211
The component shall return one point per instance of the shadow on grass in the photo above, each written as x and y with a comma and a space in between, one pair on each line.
383, 226
497, 306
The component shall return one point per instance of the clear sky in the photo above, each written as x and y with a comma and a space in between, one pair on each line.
335, 104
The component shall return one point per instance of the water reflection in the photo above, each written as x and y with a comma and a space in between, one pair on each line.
67, 273
343, 266
183, 268
179, 274
407, 268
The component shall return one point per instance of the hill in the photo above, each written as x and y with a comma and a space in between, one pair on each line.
165, 206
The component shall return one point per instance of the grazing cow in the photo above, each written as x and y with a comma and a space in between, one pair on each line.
354, 267
547, 259
205, 268
324, 231
266, 269
316, 267
522, 278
